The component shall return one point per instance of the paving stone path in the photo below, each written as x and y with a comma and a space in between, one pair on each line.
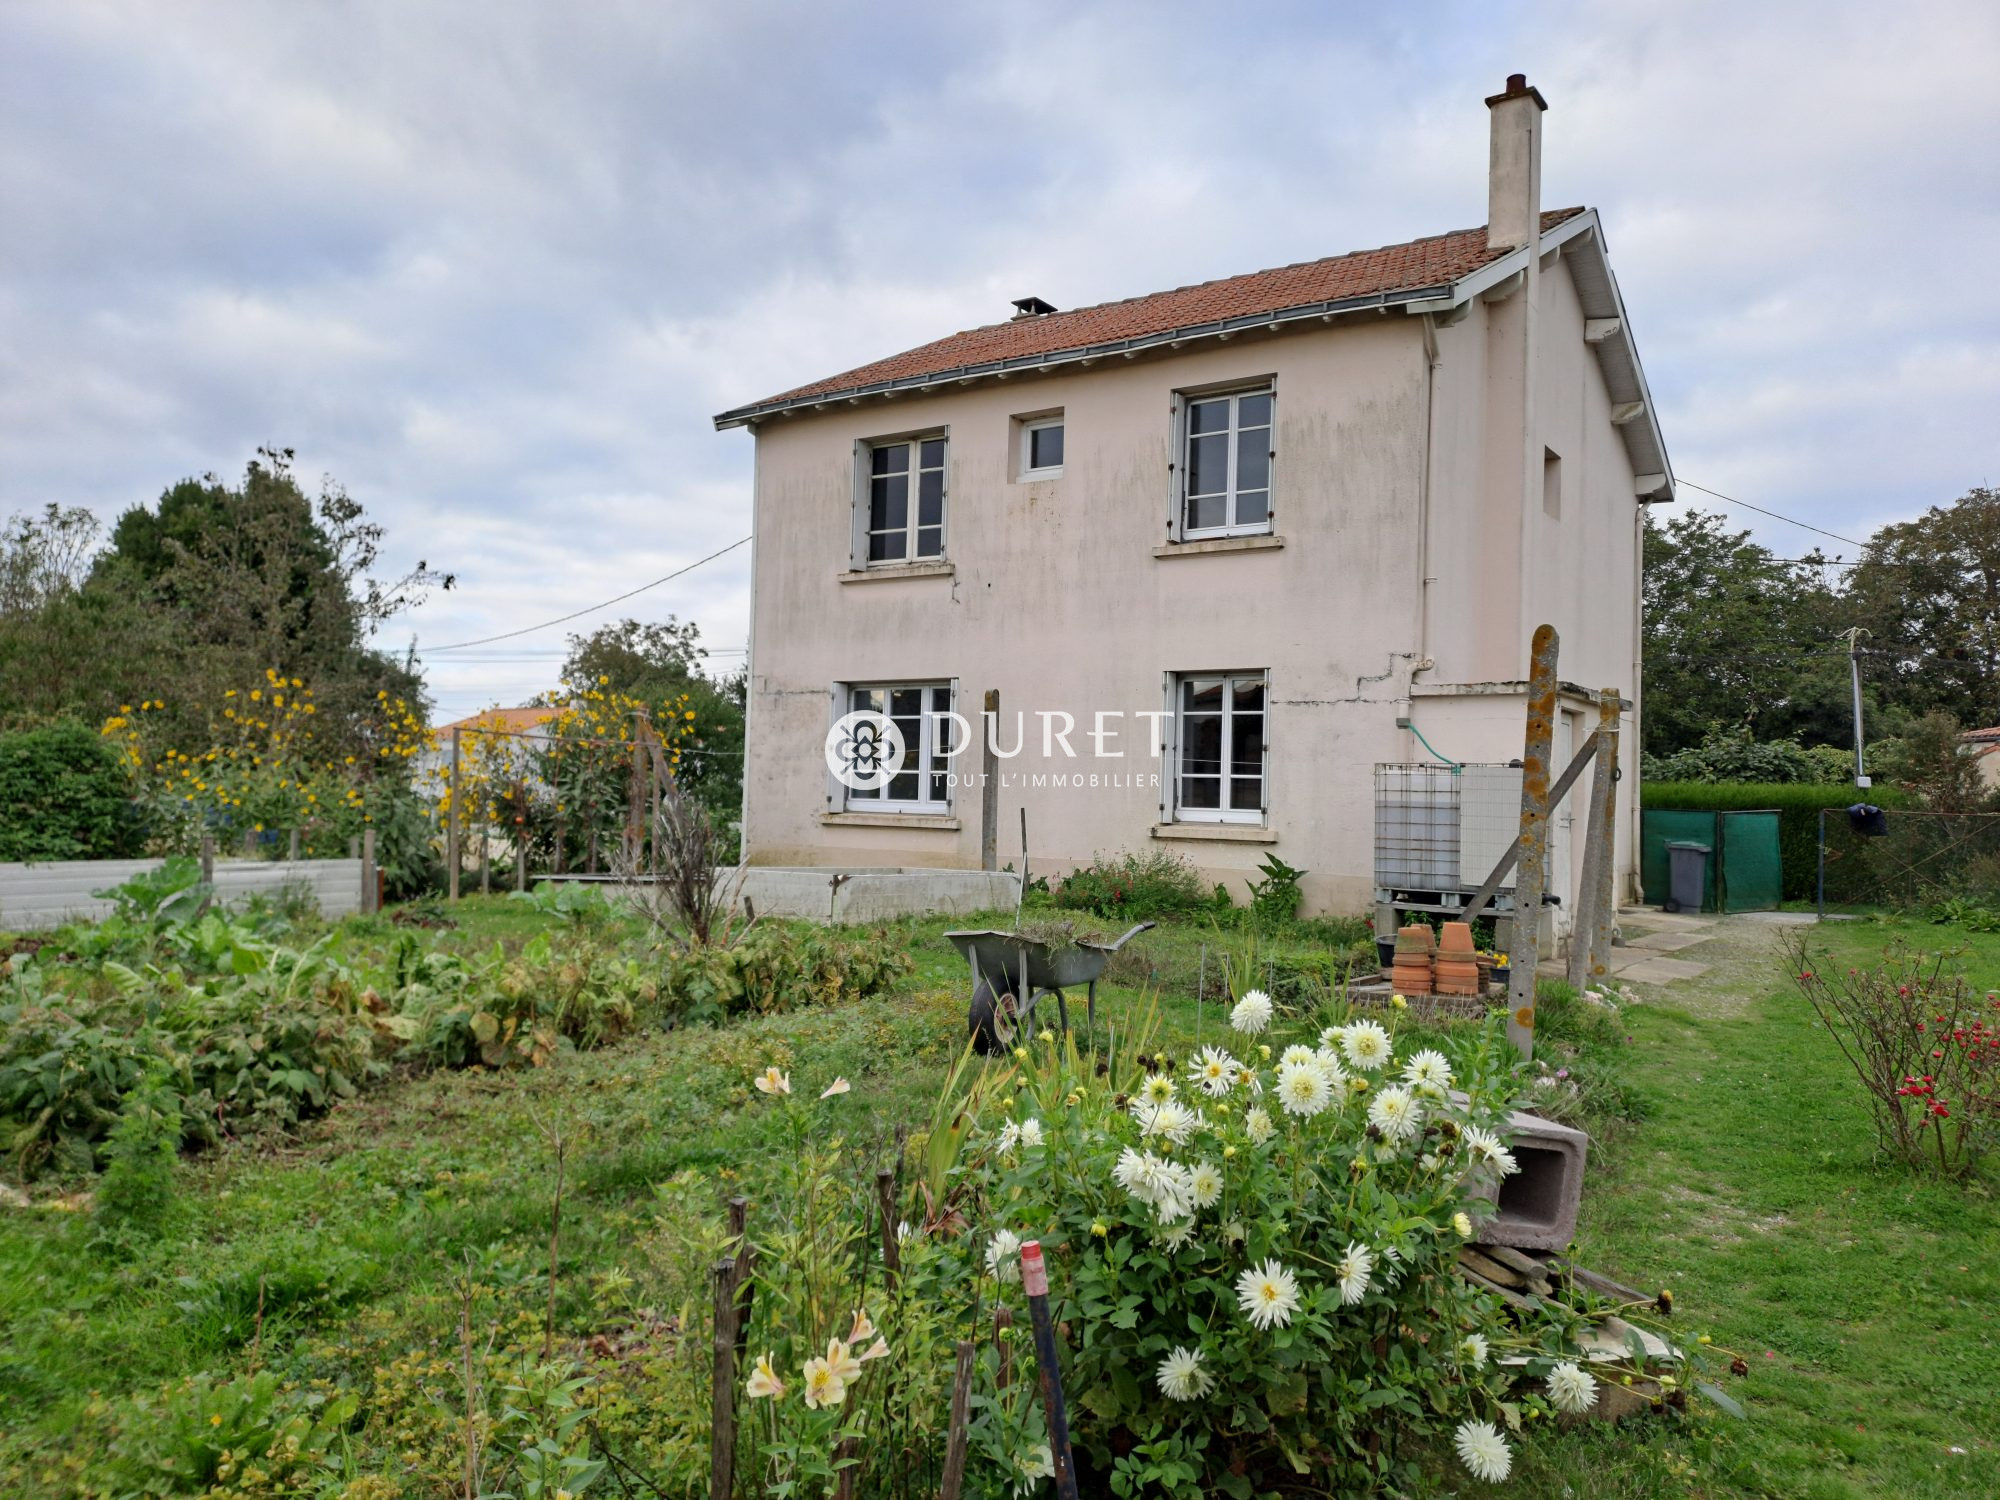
1652, 936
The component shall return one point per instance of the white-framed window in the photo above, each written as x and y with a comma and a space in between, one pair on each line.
1224, 465
900, 499
919, 710
1041, 448
1219, 746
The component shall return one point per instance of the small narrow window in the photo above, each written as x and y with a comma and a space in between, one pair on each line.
1042, 447
1552, 484
1226, 463
903, 525
1219, 760
921, 712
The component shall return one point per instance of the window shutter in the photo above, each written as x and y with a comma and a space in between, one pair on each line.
1264, 781
1176, 451
955, 765
857, 538
836, 794
1169, 749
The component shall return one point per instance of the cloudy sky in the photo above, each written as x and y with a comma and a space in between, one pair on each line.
496, 264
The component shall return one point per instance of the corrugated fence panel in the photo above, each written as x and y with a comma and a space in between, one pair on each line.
48, 895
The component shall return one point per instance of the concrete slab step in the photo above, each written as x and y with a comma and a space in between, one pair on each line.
1651, 970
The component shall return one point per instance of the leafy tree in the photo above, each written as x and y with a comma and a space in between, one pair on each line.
661, 660
1738, 642
1928, 593
1930, 758
213, 585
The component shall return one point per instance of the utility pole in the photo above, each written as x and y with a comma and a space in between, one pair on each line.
1854, 635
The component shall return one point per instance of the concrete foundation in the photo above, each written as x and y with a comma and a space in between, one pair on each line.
1537, 1205
864, 894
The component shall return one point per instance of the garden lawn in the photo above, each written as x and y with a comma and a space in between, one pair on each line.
1863, 1297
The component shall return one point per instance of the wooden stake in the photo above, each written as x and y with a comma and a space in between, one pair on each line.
293, 854
371, 883
958, 1433
1035, 1282
885, 1200
451, 824
1003, 1320
722, 1399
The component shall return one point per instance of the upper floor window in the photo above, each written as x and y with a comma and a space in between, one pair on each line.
1042, 447
902, 499
1226, 452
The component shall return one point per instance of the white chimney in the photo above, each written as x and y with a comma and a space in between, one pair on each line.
1514, 173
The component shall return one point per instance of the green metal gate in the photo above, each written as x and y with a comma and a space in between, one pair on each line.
1745, 872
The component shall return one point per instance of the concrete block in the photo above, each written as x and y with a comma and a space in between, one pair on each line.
1536, 1206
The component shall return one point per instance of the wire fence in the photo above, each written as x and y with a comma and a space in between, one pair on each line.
1904, 858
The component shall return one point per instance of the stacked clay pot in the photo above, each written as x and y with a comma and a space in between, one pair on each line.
1411, 974
1457, 961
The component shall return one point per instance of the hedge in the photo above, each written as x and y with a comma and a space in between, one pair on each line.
63, 795
1798, 807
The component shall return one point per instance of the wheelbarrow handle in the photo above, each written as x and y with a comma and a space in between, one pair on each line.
1115, 947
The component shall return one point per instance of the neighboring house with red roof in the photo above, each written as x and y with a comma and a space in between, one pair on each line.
1260, 534
500, 737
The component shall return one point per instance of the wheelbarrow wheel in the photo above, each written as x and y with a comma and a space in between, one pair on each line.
993, 1020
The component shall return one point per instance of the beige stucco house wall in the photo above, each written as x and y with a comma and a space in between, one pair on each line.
1449, 472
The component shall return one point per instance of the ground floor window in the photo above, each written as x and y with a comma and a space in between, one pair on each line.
918, 711
1219, 749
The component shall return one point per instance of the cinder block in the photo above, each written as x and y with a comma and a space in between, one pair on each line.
1536, 1206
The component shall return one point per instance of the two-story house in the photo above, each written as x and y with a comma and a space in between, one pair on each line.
1221, 550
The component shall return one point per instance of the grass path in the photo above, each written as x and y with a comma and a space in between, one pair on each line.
1863, 1298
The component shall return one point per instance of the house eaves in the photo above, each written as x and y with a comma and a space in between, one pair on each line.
1084, 355
1577, 236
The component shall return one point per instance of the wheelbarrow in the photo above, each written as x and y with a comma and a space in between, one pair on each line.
1011, 974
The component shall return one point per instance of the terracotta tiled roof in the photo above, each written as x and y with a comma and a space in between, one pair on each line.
1982, 736
1419, 264
512, 720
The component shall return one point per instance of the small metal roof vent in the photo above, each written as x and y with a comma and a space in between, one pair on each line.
1031, 307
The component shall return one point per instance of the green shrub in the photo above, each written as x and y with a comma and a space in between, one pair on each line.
1275, 898
64, 794
777, 969
137, 1189
1134, 887
63, 1077
1798, 808
203, 1433
1737, 757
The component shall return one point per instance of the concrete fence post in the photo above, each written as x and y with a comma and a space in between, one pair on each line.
1531, 878
989, 784
371, 890
292, 853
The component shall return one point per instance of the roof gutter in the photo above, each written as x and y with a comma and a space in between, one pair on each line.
1085, 354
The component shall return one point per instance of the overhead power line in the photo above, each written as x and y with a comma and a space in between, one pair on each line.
1805, 525
588, 609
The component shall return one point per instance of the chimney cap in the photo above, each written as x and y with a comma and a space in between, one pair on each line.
1517, 88
1032, 307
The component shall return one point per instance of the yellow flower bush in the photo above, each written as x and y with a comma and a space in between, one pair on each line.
264, 768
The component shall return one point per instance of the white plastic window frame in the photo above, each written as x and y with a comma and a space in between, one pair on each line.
930, 757
1172, 804
1177, 515
1025, 459
863, 512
